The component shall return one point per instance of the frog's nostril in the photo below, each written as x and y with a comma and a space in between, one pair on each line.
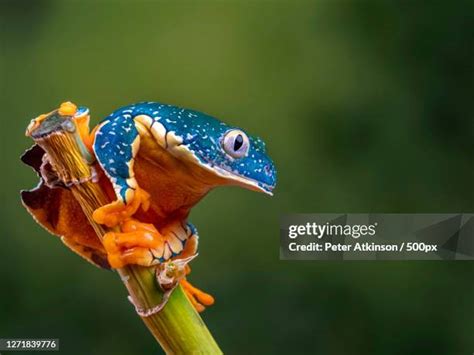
268, 170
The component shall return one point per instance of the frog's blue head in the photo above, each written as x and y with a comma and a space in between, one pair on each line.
230, 153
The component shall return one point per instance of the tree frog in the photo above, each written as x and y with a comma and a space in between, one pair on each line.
157, 161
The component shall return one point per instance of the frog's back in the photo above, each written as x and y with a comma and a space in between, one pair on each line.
169, 115
142, 108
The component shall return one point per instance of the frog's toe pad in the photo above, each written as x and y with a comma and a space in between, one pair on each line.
119, 256
135, 256
198, 298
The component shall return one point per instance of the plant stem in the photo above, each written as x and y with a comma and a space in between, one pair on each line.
177, 327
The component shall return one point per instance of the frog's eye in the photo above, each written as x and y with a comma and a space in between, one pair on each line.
236, 143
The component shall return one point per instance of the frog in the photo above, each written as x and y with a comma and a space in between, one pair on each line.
156, 161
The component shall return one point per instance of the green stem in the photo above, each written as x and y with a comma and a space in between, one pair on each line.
177, 327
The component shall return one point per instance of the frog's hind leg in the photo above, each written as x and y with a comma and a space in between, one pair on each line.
142, 244
198, 298
116, 144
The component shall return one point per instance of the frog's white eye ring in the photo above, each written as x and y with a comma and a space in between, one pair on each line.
236, 143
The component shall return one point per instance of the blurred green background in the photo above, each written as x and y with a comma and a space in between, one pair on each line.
366, 106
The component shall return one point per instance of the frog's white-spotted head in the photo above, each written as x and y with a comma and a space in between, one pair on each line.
230, 153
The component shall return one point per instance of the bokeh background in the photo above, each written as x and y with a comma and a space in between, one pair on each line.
366, 106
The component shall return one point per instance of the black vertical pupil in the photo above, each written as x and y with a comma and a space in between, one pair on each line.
239, 141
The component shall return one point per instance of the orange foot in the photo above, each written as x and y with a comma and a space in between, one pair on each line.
133, 245
116, 212
198, 298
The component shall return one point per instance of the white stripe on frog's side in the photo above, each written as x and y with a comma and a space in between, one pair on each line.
167, 139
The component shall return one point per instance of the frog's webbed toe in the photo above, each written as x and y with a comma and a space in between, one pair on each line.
199, 299
116, 144
133, 245
118, 211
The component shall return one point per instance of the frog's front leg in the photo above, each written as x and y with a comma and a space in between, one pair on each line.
118, 211
116, 144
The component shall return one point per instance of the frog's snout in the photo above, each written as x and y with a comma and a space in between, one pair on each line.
269, 179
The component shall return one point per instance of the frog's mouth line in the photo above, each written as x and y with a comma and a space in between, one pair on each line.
240, 180
244, 181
